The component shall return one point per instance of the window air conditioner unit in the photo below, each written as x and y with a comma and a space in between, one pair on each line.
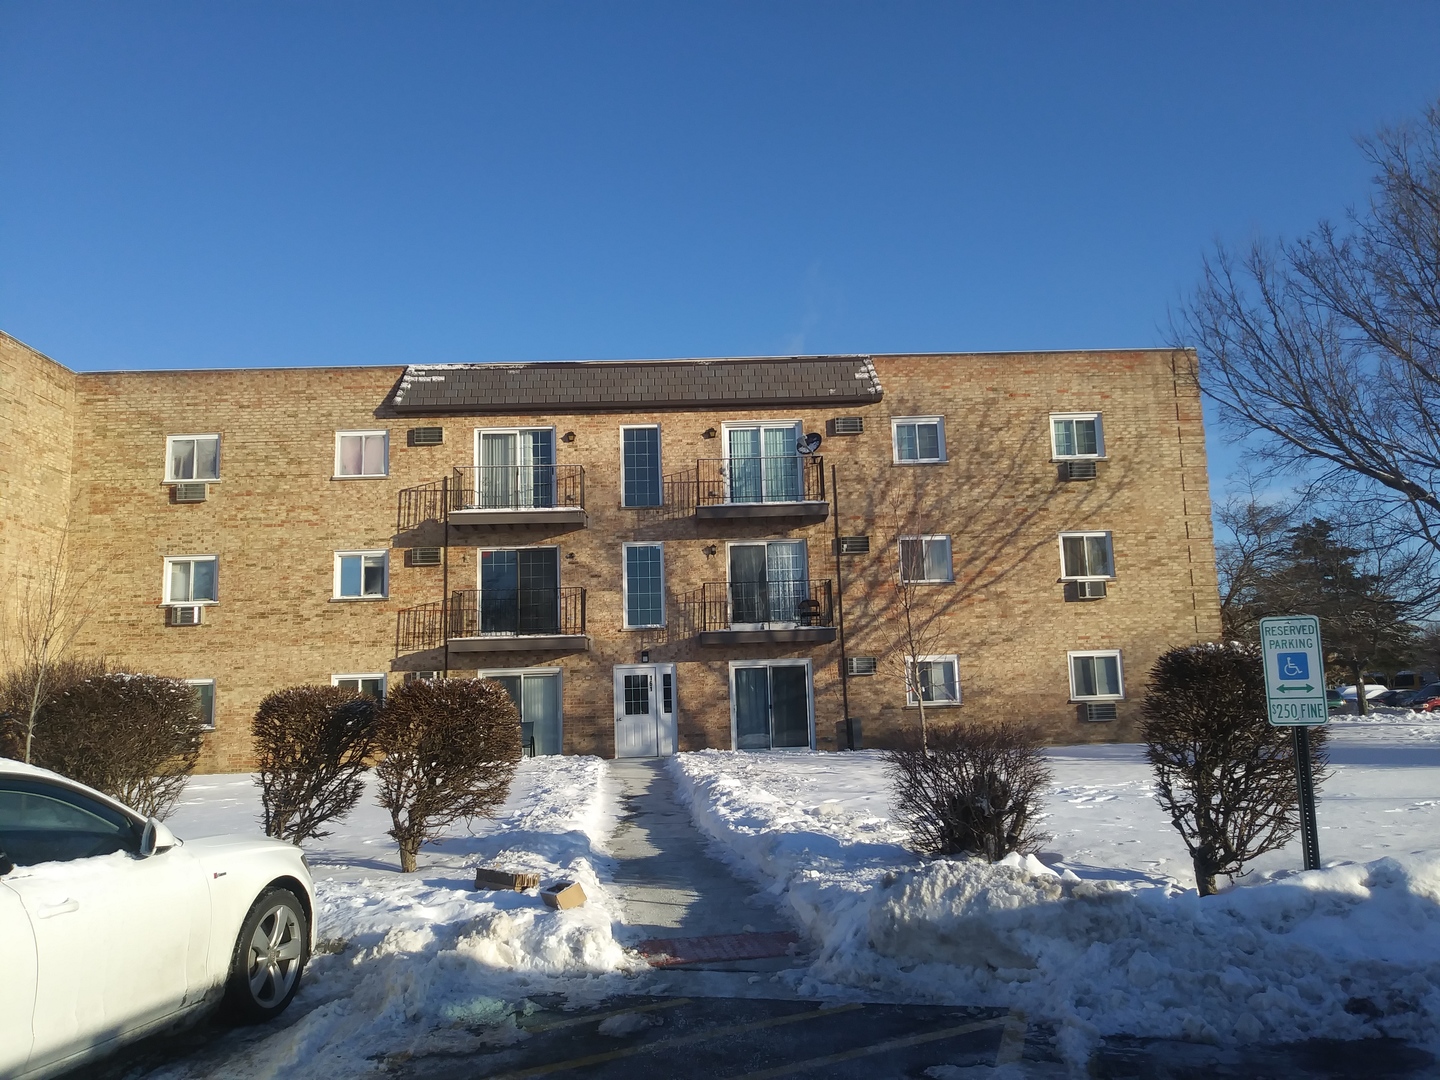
190, 493
854, 545
1090, 590
847, 425
427, 436
185, 616
1078, 470
860, 665
426, 556
1100, 710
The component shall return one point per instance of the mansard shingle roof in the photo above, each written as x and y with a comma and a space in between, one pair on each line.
606, 385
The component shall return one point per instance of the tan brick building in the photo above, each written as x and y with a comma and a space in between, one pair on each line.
636, 548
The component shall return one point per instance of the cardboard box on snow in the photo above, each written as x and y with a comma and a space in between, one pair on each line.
563, 894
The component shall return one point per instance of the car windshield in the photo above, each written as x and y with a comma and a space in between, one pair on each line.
40, 823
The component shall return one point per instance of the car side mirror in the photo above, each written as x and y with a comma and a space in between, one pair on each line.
6, 864
156, 838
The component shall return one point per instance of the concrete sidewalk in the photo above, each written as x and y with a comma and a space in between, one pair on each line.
669, 884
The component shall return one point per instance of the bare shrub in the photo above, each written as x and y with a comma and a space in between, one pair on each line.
25, 689
450, 751
134, 737
976, 791
311, 744
1224, 775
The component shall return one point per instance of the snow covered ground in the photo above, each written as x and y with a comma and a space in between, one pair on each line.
409, 962
1110, 937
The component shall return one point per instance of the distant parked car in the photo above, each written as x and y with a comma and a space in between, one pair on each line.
111, 927
1414, 699
1334, 700
1413, 680
1371, 692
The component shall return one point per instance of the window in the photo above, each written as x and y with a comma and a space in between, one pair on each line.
190, 579
205, 698
520, 591
536, 693
768, 583
360, 575
1075, 435
925, 558
1086, 556
932, 679
515, 469
192, 457
762, 463
918, 439
42, 822
644, 586
371, 686
640, 465
362, 453
1095, 676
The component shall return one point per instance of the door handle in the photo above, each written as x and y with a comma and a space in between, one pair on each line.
49, 911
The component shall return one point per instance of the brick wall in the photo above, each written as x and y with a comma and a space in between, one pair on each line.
277, 516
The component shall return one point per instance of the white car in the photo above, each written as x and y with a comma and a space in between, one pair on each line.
111, 927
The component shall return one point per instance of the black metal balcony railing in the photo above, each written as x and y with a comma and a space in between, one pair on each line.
518, 487
495, 613
727, 605
517, 613
779, 479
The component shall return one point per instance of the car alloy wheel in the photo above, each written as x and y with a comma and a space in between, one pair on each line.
269, 956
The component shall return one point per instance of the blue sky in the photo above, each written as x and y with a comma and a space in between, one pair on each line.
225, 184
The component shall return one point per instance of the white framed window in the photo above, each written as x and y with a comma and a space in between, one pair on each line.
644, 586
362, 575
1086, 556
191, 579
932, 679
640, 465
369, 684
925, 559
205, 700
362, 454
1096, 676
918, 439
192, 457
1076, 435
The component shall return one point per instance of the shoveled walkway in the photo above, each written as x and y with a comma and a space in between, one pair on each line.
673, 889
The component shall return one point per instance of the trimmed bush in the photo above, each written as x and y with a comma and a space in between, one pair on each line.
134, 737
450, 751
1225, 776
311, 744
18, 693
977, 790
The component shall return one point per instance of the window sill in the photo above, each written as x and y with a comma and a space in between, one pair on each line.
640, 506
937, 705
1065, 580
367, 476
929, 581
190, 603
639, 629
1056, 459
358, 599
167, 482
1096, 700
925, 461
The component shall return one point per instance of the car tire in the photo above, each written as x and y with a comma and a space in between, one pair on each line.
270, 956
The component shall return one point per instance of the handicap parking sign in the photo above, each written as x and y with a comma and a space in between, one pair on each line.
1293, 665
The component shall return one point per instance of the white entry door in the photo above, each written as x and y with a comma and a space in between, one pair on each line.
644, 710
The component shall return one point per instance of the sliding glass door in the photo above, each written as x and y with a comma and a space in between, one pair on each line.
763, 464
520, 591
767, 582
516, 469
770, 705
537, 696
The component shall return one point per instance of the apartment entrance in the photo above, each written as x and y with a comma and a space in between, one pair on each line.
644, 710
770, 705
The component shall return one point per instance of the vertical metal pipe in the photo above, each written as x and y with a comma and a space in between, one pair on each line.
1305, 782
840, 608
445, 573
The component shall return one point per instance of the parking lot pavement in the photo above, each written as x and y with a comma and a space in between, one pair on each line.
747, 1039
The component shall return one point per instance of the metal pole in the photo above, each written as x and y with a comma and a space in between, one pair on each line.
445, 574
840, 609
1309, 828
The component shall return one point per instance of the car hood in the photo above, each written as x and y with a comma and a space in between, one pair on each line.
238, 843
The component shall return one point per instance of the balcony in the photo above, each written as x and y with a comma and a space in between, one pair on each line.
530, 620
749, 488
757, 613
499, 495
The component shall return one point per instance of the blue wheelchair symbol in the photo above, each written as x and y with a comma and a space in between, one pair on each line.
1293, 665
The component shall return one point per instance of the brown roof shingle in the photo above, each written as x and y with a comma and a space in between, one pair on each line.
602, 385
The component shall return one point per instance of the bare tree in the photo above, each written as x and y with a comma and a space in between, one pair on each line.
45, 613
1254, 544
1326, 351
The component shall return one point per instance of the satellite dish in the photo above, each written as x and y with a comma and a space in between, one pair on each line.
808, 444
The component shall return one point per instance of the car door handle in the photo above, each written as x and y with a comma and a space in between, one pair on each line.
49, 911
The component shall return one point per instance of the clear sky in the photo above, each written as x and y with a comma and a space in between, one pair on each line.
236, 184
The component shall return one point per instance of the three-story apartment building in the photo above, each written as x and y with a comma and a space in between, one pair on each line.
650, 555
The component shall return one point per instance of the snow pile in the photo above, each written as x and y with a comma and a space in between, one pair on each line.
424, 963
1345, 952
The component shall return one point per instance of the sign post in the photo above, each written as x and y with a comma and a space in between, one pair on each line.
1295, 698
